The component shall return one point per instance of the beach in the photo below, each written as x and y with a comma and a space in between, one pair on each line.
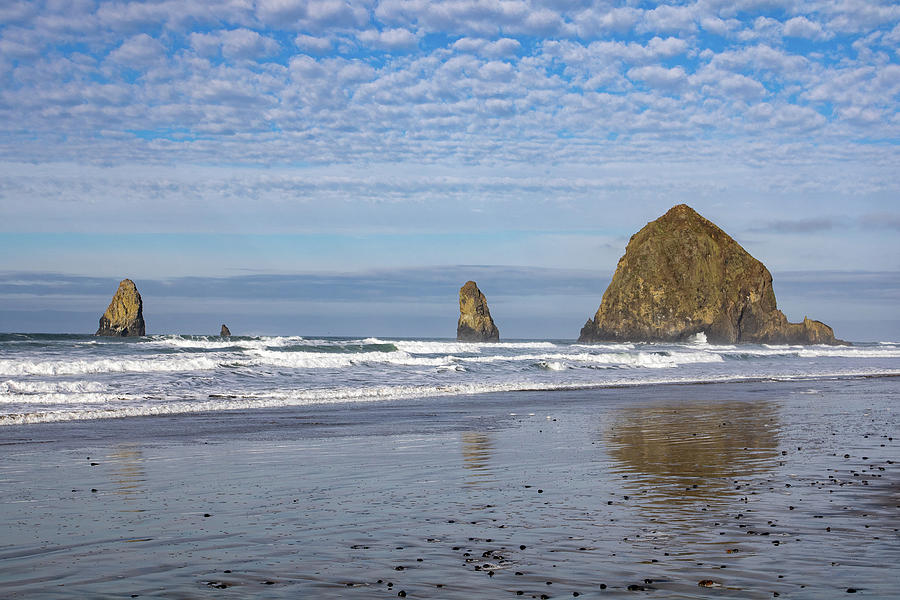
753, 488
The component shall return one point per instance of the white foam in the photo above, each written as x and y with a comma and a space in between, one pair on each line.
439, 347
105, 365
554, 365
112, 406
653, 360
811, 351
698, 339
218, 343
49, 387
324, 360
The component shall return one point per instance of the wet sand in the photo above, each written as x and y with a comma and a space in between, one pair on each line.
754, 489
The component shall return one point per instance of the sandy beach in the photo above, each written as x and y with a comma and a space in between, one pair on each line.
754, 489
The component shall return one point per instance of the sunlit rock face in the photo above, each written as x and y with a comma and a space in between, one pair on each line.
124, 317
475, 322
681, 275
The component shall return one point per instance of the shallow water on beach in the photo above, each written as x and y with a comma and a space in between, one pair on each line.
754, 488
47, 378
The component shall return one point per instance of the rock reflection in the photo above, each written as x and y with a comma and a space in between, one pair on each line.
127, 466
476, 450
685, 453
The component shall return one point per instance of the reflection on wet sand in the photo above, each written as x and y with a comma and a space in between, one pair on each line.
127, 466
476, 450
684, 453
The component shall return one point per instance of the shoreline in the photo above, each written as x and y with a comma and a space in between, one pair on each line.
261, 403
546, 493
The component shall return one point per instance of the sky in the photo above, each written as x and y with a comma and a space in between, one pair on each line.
342, 167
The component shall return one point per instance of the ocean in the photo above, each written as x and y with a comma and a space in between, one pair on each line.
49, 378
291, 467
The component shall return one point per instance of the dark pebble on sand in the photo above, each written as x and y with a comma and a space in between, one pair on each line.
540, 491
851, 590
576, 594
602, 586
522, 547
402, 594
207, 515
398, 568
269, 582
94, 490
636, 588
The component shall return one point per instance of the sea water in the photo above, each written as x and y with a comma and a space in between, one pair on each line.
49, 378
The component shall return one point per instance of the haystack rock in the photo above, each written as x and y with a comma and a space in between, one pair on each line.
125, 315
682, 276
225, 331
475, 323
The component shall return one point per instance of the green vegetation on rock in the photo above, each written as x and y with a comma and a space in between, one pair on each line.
681, 275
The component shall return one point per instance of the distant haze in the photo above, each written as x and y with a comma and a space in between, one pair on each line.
525, 302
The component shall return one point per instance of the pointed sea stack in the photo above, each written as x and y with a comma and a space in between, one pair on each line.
125, 315
680, 276
225, 331
475, 323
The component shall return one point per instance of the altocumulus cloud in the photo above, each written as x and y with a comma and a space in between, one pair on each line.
337, 81
309, 115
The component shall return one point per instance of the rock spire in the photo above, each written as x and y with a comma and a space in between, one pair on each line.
681, 275
124, 316
475, 322
225, 331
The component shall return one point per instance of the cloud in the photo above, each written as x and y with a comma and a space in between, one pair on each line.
138, 52
667, 19
242, 44
884, 220
659, 77
389, 39
804, 28
309, 43
502, 48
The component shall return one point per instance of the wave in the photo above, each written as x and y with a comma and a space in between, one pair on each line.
291, 398
653, 360
770, 351
438, 347
49, 387
105, 365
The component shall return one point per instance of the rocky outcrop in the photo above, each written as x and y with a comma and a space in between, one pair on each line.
124, 317
680, 276
225, 331
475, 322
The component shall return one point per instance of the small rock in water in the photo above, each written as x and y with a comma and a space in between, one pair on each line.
709, 583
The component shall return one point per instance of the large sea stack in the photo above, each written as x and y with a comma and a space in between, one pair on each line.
475, 323
125, 315
681, 276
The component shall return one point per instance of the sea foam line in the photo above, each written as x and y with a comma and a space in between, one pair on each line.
286, 399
